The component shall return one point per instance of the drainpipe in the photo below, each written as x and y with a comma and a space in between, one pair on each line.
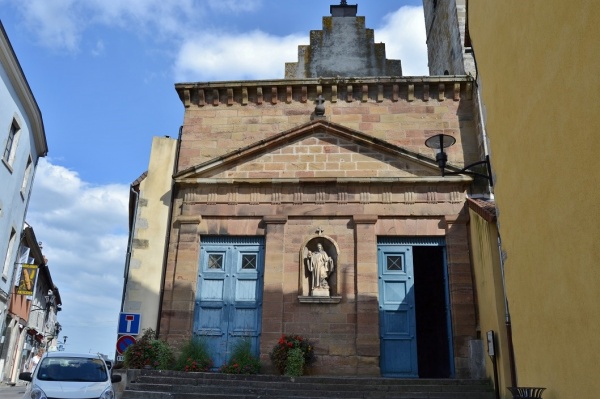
168, 235
508, 324
130, 245
484, 137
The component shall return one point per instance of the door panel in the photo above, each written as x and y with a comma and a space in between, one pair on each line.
397, 312
228, 296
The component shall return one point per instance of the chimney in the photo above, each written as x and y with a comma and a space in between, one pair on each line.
344, 10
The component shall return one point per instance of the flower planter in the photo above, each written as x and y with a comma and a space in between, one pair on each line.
526, 392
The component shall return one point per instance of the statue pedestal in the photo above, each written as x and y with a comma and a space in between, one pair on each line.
320, 292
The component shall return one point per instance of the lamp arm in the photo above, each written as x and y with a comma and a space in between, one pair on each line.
466, 171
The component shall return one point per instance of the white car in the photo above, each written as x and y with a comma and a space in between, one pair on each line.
61, 375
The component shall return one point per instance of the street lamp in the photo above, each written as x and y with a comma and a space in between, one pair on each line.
441, 141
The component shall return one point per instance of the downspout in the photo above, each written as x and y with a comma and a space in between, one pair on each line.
130, 245
168, 235
508, 324
484, 137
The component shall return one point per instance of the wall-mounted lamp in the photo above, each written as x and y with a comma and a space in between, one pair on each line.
441, 141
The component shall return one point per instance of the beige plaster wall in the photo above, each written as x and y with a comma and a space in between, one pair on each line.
143, 288
487, 275
537, 62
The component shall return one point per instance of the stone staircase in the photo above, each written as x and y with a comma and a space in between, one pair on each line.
154, 384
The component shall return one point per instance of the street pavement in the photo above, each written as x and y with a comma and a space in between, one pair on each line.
11, 392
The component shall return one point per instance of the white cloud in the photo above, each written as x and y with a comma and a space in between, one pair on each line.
258, 55
252, 55
204, 54
155, 17
83, 229
99, 49
60, 24
235, 6
55, 23
404, 36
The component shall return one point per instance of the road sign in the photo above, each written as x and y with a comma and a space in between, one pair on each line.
123, 342
129, 323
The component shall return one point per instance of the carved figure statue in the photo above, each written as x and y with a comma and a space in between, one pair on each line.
320, 265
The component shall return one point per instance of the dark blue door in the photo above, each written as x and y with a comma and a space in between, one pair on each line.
397, 325
229, 294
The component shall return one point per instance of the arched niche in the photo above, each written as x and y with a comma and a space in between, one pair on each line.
307, 292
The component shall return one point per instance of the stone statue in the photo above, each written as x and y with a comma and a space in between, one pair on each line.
320, 265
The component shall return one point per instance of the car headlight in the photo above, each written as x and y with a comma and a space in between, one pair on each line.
37, 393
107, 394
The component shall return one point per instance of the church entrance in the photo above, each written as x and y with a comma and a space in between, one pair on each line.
414, 313
229, 294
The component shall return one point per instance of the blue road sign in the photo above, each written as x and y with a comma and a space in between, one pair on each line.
129, 323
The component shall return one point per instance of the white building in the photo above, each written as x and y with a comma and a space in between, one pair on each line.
22, 143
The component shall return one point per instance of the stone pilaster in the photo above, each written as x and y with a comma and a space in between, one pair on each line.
367, 302
272, 312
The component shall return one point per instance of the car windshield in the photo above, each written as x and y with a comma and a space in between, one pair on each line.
72, 369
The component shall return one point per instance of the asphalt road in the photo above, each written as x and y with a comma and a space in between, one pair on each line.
10, 392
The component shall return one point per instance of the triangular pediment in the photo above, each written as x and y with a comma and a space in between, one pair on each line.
315, 150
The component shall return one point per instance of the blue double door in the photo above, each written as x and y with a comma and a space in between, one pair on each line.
229, 294
414, 317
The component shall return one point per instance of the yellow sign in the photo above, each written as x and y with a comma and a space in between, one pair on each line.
27, 281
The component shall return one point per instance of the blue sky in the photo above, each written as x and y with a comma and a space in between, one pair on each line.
103, 74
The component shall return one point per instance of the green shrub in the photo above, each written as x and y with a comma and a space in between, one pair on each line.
194, 356
294, 366
148, 351
280, 353
242, 360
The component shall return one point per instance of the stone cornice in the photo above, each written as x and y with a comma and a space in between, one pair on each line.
460, 179
287, 91
378, 191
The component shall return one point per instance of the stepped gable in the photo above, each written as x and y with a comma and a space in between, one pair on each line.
343, 48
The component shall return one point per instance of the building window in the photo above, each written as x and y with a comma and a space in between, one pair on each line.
11, 142
11, 245
215, 261
249, 262
26, 177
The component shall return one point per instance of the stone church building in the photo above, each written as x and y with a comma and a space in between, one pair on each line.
311, 205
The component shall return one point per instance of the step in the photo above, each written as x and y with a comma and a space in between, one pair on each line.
153, 384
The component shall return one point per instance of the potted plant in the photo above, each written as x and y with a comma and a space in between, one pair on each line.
292, 354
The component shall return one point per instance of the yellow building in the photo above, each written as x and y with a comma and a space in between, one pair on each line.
536, 61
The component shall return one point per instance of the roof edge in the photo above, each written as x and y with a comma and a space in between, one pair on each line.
15, 73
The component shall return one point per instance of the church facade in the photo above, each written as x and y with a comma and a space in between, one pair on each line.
310, 205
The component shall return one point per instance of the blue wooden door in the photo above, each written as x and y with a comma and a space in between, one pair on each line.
397, 325
229, 294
